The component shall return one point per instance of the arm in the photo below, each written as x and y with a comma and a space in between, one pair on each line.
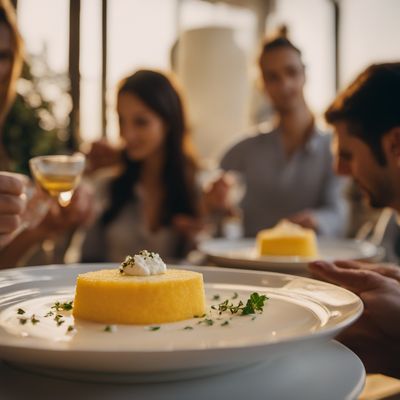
57, 222
102, 155
12, 205
216, 194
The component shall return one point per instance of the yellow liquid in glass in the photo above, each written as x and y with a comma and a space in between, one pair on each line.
56, 184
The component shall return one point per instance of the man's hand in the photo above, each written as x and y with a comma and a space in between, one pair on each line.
375, 337
12, 206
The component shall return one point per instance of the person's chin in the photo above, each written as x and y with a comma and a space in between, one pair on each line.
136, 155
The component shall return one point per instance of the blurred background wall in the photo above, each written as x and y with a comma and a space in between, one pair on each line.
215, 58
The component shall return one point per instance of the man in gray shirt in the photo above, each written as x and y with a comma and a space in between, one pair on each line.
303, 188
288, 171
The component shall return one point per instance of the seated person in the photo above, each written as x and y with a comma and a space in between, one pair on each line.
366, 119
288, 171
152, 201
11, 60
16, 245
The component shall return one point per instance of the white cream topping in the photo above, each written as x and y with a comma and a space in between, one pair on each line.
143, 264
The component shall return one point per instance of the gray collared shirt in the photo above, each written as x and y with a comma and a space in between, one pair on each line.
278, 187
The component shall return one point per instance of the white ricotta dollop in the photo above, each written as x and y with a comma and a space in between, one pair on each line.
143, 264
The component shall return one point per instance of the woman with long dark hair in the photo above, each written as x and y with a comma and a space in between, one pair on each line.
154, 195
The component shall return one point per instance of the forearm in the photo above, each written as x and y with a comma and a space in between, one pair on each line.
14, 252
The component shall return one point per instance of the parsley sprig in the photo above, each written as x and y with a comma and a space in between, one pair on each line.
154, 328
255, 303
66, 306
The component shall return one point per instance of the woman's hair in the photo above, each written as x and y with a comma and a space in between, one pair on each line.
159, 94
8, 18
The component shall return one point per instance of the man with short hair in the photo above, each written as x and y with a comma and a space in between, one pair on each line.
366, 119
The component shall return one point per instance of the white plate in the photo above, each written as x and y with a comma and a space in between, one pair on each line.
329, 371
242, 253
300, 312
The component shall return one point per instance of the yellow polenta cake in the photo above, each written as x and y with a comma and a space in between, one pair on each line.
287, 239
111, 297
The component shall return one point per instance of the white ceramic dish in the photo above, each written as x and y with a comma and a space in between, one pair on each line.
242, 253
300, 312
329, 371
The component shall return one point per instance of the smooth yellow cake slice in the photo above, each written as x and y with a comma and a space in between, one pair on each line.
287, 239
111, 297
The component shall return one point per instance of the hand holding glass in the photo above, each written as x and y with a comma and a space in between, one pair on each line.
36, 205
58, 175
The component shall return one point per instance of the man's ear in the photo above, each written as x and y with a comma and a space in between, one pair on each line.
391, 144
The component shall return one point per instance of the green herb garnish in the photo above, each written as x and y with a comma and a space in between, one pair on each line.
253, 304
20, 311
235, 296
22, 321
188, 328
66, 306
49, 314
146, 253
129, 260
59, 320
206, 321
70, 328
216, 297
225, 323
34, 320
108, 328
154, 328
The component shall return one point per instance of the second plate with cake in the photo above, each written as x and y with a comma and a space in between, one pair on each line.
242, 253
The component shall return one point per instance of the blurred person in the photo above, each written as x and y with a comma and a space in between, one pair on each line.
287, 171
152, 201
58, 220
11, 60
366, 120
12, 206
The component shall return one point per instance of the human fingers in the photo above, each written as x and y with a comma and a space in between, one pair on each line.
11, 185
5, 239
9, 223
356, 280
12, 204
389, 270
